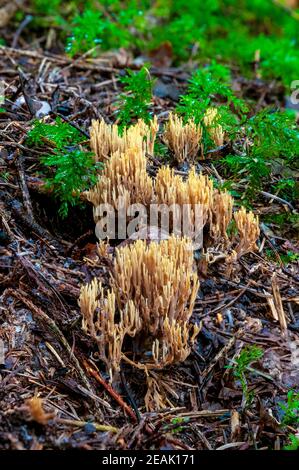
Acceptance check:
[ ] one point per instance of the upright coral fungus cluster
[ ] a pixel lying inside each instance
(153, 286)
(151, 297)
(123, 181)
(182, 139)
(105, 139)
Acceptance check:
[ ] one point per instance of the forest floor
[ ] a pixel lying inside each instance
(46, 353)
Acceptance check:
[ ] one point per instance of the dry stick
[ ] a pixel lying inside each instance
(205, 413)
(23, 185)
(213, 299)
(249, 289)
(22, 297)
(278, 305)
(178, 443)
(160, 433)
(218, 356)
(10, 143)
(39, 278)
(71, 123)
(201, 436)
(229, 304)
(82, 424)
(82, 57)
(110, 390)
(277, 198)
(23, 24)
(129, 395)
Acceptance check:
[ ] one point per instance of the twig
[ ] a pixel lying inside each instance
(20, 146)
(23, 185)
(127, 409)
(232, 301)
(249, 289)
(206, 414)
(129, 394)
(218, 356)
(258, 372)
(71, 123)
(231, 445)
(39, 279)
(271, 244)
(277, 198)
(23, 24)
(278, 305)
(201, 436)
(82, 424)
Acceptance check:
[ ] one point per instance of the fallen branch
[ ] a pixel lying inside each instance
(127, 409)
(82, 424)
(277, 198)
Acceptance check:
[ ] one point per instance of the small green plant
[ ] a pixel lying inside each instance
(54, 13)
(274, 134)
(270, 136)
(290, 409)
(134, 103)
(70, 169)
(182, 33)
(161, 150)
(288, 188)
(247, 356)
(73, 172)
(290, 257)
(206, 86)
(232, 229)
(56, 135)
(176, 425)
(87, 32)
(293, 442)
(286, 219)
(286, 258)
(5, 175)
(209, 87)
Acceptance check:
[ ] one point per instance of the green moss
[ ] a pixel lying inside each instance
(69, 168)
(134, 103)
